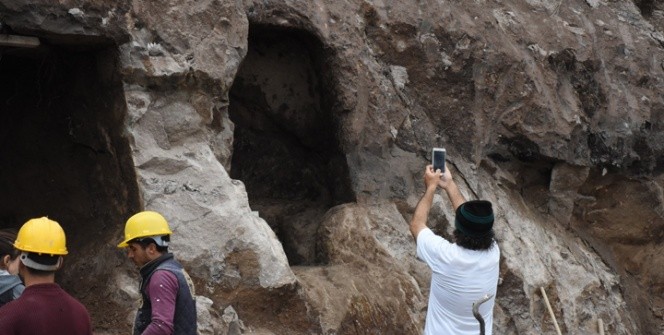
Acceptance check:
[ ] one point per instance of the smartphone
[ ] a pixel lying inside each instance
(438, 159)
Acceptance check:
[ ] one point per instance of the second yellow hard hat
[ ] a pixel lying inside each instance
(145, 224)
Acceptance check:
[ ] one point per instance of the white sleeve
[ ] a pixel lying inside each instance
(430, 246)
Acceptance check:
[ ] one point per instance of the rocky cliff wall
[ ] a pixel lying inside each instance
(551, 109)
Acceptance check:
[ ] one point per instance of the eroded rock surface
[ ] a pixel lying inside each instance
(552, 110)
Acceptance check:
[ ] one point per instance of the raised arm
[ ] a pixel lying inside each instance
(419, 220)
(447, 183)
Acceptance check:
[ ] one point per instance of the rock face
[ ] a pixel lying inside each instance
(285, 142)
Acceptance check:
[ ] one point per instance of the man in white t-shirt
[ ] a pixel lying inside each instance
(463, 272)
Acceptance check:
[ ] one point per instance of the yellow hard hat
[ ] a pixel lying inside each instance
(145, 224)
(42, 236)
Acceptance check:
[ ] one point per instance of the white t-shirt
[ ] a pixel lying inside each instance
(460, 277)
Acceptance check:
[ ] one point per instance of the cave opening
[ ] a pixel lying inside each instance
(646, 7)
(286, 149)
(63, 152)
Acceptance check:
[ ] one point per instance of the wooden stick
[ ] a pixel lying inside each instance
(600, 325)
(18, 41)
(553, 316)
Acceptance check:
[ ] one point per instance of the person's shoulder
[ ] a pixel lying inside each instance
(430, 242)
(495, 248)
(161, 272)
(170, 264)
(70, 299)
(12, 309)
(424, 233)
(161, 276)
(73, 300)
(489, 255)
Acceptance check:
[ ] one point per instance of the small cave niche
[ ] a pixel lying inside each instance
(64, 155)
(646, 7)
(286, 149)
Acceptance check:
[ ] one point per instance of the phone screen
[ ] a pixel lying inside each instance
(438, 159)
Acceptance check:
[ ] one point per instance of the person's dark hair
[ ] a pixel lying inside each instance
(484, 242)
(145, 242)
(7, 237)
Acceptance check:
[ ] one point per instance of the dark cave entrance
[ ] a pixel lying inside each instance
(285, 148)
(63, 153)
(646, 7)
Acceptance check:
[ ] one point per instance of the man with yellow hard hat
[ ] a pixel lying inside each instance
(44, 307)
(168, 305)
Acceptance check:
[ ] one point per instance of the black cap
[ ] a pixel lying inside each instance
(474, 218)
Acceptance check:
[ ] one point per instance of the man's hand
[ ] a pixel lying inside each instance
(431, 177)
(445, 178)
(447, 183)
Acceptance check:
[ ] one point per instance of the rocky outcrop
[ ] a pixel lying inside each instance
(285, 142)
